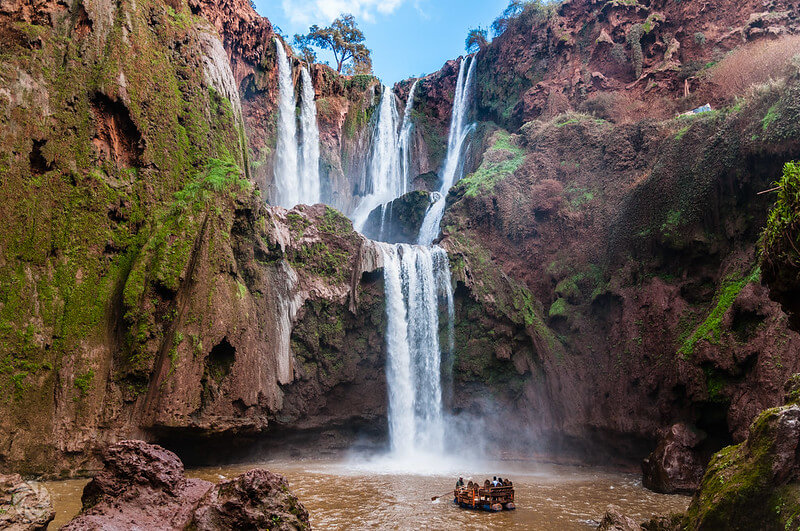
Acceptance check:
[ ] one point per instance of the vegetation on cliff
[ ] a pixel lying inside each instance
(781, 241)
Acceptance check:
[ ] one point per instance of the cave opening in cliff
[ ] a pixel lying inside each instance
(221, 359)
(39, 164)
(117, 139)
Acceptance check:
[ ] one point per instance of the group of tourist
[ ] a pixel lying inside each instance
(495, 482)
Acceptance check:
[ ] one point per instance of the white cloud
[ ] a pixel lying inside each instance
(307, 12)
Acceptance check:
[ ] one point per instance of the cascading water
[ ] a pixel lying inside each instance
(416, 278)
(404, 141)
(460, 130)
(384, 180)
(285, 193)
(310, 192)
(296, 167)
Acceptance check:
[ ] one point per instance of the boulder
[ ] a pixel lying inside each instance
(755, 484)
(24, 506)
(427, 182)
(257, 499)
(143, 486)
(614, 520)
(675, 466)
(400, 220)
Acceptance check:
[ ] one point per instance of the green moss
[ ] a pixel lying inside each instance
(83, 382)
(739, 489)
(334, 222)
(711, 328)
(490, 173)
(298, 224)
(559, 309)
(319, 259)
(569, 288)
(770, 118)
(671, 224)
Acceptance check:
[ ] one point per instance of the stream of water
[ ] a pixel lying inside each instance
(354, 495)
(460, 130)
(297, 179)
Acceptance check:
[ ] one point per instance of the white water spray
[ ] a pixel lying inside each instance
(383, 174)
(460, 130)
(310, 189)
(416, 279)
(404, 141)
(286, 149)
(296, 167)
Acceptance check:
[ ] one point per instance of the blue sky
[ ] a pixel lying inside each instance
(407, 37)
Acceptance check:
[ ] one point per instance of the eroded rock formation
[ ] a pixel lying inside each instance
(24, 506)
(144, 485)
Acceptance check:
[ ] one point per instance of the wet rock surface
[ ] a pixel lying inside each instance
(756, 484)
(615, 520)
(24, 506)
(675, 466)
(143, 486)
(257, 499)
(400, 220)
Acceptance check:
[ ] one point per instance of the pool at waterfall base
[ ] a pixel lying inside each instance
(363, 493)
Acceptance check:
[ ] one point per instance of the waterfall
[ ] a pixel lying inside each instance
(296, 167)
(404, 141)
(460, 130)
(309, 148)
(389, 172)
(416, 278)
(383, 174)
(286, 193)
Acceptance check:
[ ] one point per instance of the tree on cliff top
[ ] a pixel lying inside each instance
(476, 39)
(522, 9)
(346, 42)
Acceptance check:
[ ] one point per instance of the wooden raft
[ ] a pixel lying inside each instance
(493, 499)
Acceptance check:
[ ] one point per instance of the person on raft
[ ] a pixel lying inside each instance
(460, 483)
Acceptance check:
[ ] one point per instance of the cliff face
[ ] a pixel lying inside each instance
(606, 278)
(630, 59)
(145, 288)
(345, 104)
(628, 258)
(607, 265)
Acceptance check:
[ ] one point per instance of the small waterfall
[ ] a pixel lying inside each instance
(286, 193)
(460, 130)
(384, 178)
(404, 142)
(310, 192)
(416, 279)
(296, 166)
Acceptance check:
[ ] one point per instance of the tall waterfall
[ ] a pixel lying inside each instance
(296, 168)
(460, 130)
(286, 149)
(383, 174)
(310, 192)
(416, 278)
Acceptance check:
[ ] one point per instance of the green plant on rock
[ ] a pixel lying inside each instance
(83, 382)
(780, 241)
(711, 328)
(491, 170)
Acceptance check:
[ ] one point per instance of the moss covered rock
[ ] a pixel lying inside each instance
(756, 484)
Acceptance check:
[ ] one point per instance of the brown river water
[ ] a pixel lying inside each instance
(359, 495)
